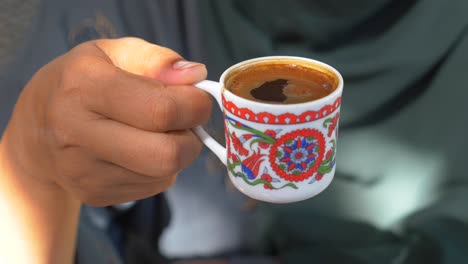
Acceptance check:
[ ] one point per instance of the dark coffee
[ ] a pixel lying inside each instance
(287, 82)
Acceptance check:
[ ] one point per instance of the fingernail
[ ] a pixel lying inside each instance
(183, 64)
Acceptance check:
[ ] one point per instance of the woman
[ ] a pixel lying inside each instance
(399, 170)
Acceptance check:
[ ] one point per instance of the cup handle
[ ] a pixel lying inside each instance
(215, 89)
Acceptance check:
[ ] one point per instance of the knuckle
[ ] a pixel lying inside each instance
(59, 129)
(73, 71)
(172, 157)
(198, 110)
(163, 112)
(81, 76)
(204, 108)
(152, 52)
(131, 40)
(157, 53)
(83, 70)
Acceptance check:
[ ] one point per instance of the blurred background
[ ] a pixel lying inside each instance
(401, 187)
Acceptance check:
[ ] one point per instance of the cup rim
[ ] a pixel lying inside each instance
(336, 93)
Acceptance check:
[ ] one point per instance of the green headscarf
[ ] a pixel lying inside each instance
(381, 47)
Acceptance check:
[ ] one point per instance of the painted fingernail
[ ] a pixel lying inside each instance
(183, 64)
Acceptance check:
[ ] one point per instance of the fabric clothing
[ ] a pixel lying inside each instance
(399, 167)
(400, 190)
(15, 19)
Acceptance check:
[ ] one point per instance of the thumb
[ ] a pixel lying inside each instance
(143, 58)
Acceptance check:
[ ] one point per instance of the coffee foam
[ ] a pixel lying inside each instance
(301, 82)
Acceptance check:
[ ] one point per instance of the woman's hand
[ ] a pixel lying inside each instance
(106, 123)
(110, 121)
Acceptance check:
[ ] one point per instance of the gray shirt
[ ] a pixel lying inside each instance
(400, 167)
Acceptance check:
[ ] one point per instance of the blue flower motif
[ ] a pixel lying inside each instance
(299, 154)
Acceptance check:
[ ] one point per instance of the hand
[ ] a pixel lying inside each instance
(109, 121)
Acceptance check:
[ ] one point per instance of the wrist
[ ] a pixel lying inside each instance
(24, 142)
(38, 219)
(14, 171)
(18, 162)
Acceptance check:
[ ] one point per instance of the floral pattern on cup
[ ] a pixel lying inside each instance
(282, 119)
(278, 160)
(277, 153)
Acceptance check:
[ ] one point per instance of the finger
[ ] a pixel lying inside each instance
(139, 101)
(101, 183)
(123, 185)
(182, 72)
(121, 194)
(113, 184)
(129, 98)
(116, 175)
(159, 155)
(143, 58)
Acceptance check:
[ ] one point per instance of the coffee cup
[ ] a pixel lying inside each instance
(280, 145)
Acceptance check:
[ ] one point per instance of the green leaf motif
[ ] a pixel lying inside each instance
(282, 166)
(232, 166)
(260, 134)
(332, 157)
(326, 162)
(327, 122)
(292, 185)
(279, 154)
(260, 181)
(324, 169)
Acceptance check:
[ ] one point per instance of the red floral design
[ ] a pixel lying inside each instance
(297, 155)
(251, 165)
(233, 157)
(228, 137)
(245, 137)
(266, 177)
(318, 176)
(270, 133)
(265, 117)
(282, 119)
(332, 126)
(238, 145)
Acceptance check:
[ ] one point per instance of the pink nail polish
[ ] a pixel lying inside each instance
(183, 64)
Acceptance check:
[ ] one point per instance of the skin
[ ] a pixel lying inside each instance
(108, 122)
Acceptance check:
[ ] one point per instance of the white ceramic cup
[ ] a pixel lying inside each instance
(277, 153)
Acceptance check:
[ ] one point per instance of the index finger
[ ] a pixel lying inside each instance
(143, 58)
(139, 101)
